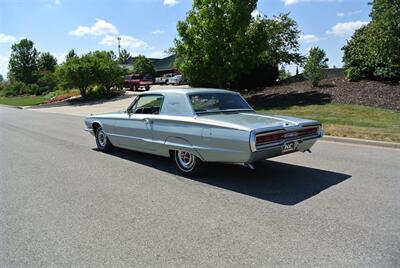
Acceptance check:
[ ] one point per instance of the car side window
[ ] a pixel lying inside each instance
(148, 104)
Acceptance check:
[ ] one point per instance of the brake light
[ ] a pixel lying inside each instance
(308, 131)
(268, 138)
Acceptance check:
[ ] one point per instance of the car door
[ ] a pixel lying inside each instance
(134, 129)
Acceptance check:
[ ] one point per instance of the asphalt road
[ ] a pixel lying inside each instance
(63, 203)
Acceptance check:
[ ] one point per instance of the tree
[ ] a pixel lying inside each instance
(143, 66)
(94, 68)
(47, 62)
(108, 71)
(355, 56)
(220, 43)
(1, 78)
(124, 56)
(23, 62)
(70, 54)
(313, 66)
(373, 50)
(78, 72)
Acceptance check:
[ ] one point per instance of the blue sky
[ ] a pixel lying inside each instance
(149, 26)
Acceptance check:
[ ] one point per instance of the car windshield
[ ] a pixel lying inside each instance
(217, 102)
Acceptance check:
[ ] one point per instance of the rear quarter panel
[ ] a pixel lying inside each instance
(210, 143)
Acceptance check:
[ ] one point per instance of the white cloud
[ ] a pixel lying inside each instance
(5, 38)
(256, 14)
(351, 13)
(346, 28)
(4, 59)
(158, 55)
(158, 32)
(292, 2)
(354, 12)
(101, 27)
(126, 41)
(57, 2)
(310, 38)
(170, 2)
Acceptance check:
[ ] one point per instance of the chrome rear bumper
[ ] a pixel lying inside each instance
(277, 150)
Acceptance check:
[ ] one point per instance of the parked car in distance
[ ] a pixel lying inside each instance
(194, 126)
(175, 80)
(163, 80)
(136, 81)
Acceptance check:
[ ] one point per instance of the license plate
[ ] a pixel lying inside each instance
(288, 147)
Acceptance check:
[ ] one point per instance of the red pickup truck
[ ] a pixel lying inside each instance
(136, 81)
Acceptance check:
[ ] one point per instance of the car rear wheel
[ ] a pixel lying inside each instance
(102, 142)
(187, 163)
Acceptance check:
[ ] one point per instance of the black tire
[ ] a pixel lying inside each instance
(191, 166)
(147, 88)
(102, 142)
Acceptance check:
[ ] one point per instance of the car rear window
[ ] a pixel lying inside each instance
(217, 102)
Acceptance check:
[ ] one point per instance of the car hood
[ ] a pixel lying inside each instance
(252, 121)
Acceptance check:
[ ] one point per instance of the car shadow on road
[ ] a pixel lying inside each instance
(273, 181)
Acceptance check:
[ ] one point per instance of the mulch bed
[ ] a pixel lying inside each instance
(333, 90)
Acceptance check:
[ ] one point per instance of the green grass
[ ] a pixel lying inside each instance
(22, 100)
(349, 120)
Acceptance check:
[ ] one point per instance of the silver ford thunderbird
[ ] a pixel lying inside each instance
(194, 126)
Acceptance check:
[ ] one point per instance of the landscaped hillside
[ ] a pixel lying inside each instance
(364, 109)
(332, 90)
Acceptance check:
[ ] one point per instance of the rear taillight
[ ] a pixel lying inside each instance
(268, 138)
(308, 131)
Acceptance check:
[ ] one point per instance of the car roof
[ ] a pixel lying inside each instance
(188, 91)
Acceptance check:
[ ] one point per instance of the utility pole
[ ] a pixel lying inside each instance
(119, 47)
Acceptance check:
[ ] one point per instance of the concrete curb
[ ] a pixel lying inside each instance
(362, 142)
(11, 106)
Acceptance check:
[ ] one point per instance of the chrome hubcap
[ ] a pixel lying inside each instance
(185, 159)
(101, 138)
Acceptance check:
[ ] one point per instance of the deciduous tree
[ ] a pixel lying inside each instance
(313, 66)
(220, 43)
(374, 50)
(78, 72)
(143, 66)
(23, 64)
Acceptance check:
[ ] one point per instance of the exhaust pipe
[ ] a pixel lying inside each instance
(251, 166)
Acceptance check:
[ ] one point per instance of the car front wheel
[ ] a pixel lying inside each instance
(102, 142)
(188, 163)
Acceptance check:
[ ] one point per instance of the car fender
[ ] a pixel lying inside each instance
(178, 143)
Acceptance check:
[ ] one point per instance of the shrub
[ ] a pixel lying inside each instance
(33, 89)
(16, 88)
(47, 82)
